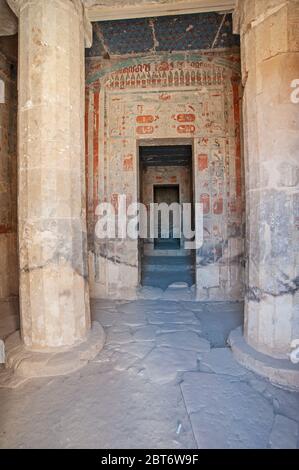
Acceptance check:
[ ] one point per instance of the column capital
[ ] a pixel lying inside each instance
(17, 6)
(249, 14)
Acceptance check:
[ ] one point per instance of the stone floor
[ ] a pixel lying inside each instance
(165, 379)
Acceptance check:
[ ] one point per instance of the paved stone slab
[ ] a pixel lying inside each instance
(105, 355)
(285, 402)
(221, 361)
(152, 293)
(122, 360)
(187, 340)
(137, 307)
(197, 307)
(173, 327)
(133, 319)
(217, 324)
(138, 349)
(145, 333)
(115, 336)
(226, 413)
(167, 307)
(128, 395)
(178, 294)
(183, 317)
(163, 364)
(284, 434)
(92, 409)
(106, 318)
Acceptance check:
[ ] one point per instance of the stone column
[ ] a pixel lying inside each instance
(54, 291)
(270, 60)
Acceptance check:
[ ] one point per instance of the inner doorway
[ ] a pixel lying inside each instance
(167, 194)
(165, 176)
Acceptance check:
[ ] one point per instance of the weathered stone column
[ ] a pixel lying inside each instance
(270, 60)
(54, 292)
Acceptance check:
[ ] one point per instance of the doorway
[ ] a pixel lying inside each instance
(166, 177)
(167, 194)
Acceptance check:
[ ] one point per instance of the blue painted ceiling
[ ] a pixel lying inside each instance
(162, 34)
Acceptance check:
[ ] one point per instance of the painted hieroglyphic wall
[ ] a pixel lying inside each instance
(180, 98)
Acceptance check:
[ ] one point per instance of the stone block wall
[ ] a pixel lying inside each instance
(184, 98)
(8, 180)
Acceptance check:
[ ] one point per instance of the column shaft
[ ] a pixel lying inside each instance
(270, 57)
(54, 295)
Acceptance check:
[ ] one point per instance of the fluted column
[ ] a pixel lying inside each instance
(54, 294)
(270, 54)
(270, 60)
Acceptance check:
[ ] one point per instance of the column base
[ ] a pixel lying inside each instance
(23, 364)
(280, 372)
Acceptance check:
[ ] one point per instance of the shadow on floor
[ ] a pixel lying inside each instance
(218, 320)
(162, 271)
